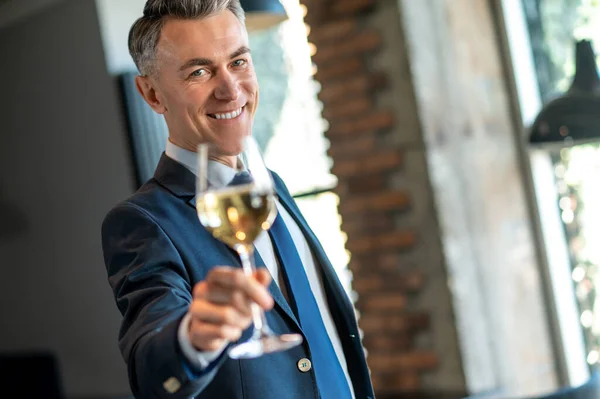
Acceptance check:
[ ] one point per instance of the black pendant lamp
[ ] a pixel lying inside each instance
(263, 14)
(573, 118)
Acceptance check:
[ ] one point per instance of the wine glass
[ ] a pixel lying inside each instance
(236, 212)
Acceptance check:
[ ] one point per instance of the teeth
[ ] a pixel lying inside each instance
(229, 115)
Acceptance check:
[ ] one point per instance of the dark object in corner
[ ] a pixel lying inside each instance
(589, 390)
(30, 376)
(573, 118)
(421, 395)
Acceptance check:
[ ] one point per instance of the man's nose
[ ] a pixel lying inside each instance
(228, 88)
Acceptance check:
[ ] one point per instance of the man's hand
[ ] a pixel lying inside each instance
(221, 306)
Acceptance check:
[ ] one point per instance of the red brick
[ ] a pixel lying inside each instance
(347, 68)
(388, 342)
(375, 243)
(412, 281)
(382, 302)
(331, 31)
(356, 44)
(395, 382)
(363, 185)
(351, 87)
(352, 108)
(393, 262)
(364, 144)
(363, 285)
(373, 323)
(371, 279)
(349, 189)
(381, 201)
(374, 121)
(367, 224)
(390, 262)
(317, 12)
(346, 7)
(374, 162)
(414, 361)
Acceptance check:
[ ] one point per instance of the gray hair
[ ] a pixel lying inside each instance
(145, 32)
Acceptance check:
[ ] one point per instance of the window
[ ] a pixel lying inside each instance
(565, 179)
(577, 170)
(554, 27)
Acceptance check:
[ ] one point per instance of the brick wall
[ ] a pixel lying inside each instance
(386, 206)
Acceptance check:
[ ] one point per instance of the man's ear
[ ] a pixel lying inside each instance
(147, 89)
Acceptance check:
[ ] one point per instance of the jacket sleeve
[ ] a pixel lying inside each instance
(153, 292)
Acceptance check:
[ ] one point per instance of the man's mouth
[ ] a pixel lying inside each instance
(228, 115)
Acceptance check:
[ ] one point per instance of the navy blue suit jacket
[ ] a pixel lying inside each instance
(155, 251)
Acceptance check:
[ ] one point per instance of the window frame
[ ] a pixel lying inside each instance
(567, 334)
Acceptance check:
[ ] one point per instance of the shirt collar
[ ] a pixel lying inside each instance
(219, 175)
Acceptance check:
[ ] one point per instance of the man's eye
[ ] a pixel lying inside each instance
(198, 73)
(238, 63)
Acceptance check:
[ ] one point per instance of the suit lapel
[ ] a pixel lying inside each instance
(175, 177)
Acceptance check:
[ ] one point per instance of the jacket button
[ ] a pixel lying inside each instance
(172, 385)
(304, 365)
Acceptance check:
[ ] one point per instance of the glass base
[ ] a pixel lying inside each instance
(264, 344)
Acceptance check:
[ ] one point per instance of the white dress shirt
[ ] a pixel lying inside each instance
(220, 175)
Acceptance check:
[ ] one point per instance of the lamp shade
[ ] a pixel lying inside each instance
(573, 118)
(263, 14)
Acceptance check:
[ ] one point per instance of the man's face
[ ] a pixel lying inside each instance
(205, 83)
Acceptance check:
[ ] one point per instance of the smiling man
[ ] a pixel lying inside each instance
(182, 294)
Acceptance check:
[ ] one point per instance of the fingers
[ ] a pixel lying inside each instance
(222, 305)
(212, 324)
(233, 279)
(208, 312)
(263, 277)
(212, 337)
(236, 299)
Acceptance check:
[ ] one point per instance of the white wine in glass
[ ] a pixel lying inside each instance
(237, 214)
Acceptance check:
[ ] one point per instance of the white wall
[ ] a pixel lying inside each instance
(15, 10)
(64, 163)
(116, 18)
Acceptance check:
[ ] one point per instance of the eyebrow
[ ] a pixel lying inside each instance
(240, 51)
(207, 61)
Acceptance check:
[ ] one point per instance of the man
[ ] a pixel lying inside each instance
(181, 307)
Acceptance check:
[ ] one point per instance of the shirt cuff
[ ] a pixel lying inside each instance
(199, 360)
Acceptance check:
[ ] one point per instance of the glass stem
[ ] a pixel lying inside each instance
(246, 253)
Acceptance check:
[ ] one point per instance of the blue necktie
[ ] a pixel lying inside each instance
(331, 380)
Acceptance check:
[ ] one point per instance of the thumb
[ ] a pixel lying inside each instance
(263, 276)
